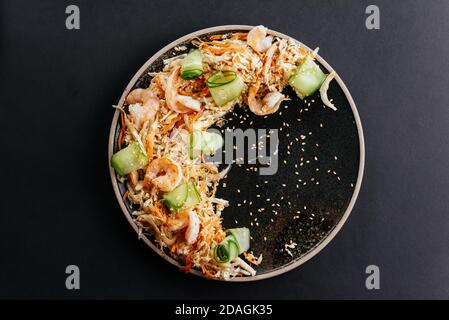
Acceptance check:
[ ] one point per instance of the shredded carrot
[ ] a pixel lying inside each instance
(206, 272)
(188, 262)
(219, 237)
(173, 247)
(239, 36)
(150, 146)
(125, 195)
(217, 44)
(204, 92)
(202, 185)
(215, 37)
(303, 51)
(205, 223)
(195, 115)
(155, 211)
(170, 126)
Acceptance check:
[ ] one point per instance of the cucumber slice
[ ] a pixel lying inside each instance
(175, 199)
(192, 66)
(193, 196)
(204, 142)
(184, 196)
(241, 236)
(129, 159)
(227, 250)
(196, 144)
(307, 78)
(219, 78)
(212, 142)
(225, 87)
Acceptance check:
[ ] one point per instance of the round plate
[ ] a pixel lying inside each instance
(296, 212)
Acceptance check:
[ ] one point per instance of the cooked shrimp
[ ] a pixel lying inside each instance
(182, 220)
(164, 174)
(143, 105)
(178, 222)
(193, 228)
(269, 104)
(175, 101)
(258, 40)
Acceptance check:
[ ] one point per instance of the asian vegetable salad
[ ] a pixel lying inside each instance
(164, 143)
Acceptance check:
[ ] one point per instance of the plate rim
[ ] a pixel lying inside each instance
(316, 249)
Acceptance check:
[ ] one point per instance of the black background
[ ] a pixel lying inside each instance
(57, 205)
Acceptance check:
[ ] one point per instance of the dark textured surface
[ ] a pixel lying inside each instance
(57, 204)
